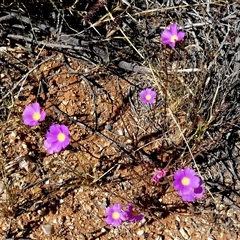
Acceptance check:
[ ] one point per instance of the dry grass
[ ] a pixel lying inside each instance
(85, 63)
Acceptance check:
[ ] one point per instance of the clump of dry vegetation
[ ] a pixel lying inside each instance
(85, 63)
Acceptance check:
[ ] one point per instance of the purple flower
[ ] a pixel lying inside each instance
(199, 192)
(33, 114)
(148, 96)
(57, 138)
(171, 35)
(132, 215)
(188, 184)
(158, 175)
(185, 180)
(115, 215)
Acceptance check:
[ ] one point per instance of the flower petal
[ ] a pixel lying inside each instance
(174, 29)
(36, 107)
(199, 192)
(180, 36)
(188, 197)
(64, 129)
(43, 115)
(166, 34)
(116, 222)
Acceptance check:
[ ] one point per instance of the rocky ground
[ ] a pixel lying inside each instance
(85, 63)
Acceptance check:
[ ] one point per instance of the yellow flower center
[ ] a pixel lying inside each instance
(174, 38)
(36, 116)
(115, 215)
(61, 137)
(148, 97)
(185, 181)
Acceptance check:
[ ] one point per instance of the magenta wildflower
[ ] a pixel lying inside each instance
(115, 215)
(148, 96)
(133, 215)
(158, 175)
(199, 192)
(33, 114)
(185, 180)
(57, 138)
(171, 35)
(188, 184)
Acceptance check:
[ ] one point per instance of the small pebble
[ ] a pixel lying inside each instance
(47, 229)
(140, 232)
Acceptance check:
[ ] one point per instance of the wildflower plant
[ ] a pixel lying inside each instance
(158, 175)
(148, 96)
(133, 215)
(171, 35)
(115, 215)
(33, 114)
(188, 184)
(57, 138)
